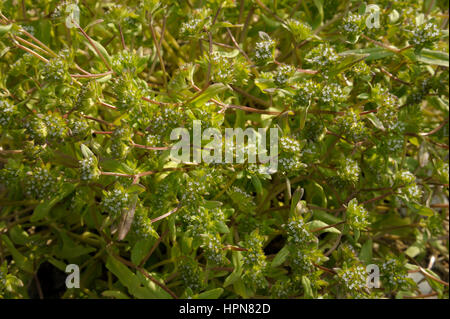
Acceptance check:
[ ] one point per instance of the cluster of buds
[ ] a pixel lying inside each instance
(254, 261)
(352, 26)
(88, 168)
(191, 274)
(115, 201)
(213, 248)
(7, 113)
(424, 35)
(322, 57)
(357, 215)
(300, 30)
(265, 49)
(353, 279)
(142, 226)
(40, 183)
(351, 126)
(348, 172)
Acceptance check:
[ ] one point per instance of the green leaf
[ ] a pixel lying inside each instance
(264, 84)
(69, 249)
(315, 194)
(44, 208)
(210, 294)
(125, 276)
(235, 275)
(87, 153)
(135, 189)
(18, 235)
(116, 166)
(315, 224)
(375, 121)
(5, 29)
(373, 53)
(326, 217)
(211, 204)
(298, 194)
(22, 262)
(303, 115)
(433, 57)
(365, 255)
(306, 283)
(280, 257)
(133, 282)
(141, 249)
(221, 227)
(101, 49)
(114, 294)
(319, 6)
(257, 184)
(209, 93)
(413, 251)
(226, 24)
(420, 209)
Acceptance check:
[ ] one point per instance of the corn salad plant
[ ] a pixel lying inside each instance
(91, 91)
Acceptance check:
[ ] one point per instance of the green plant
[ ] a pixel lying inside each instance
(86, 176)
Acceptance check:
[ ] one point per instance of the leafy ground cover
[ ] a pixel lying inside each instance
(89, 98)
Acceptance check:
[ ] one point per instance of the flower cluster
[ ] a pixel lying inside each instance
(56, 127)
(314, 131)
(191, 274)
(394, 275)
(265, 49)
(331, 95)
(391, 144)
(322, 57)
(7, 112)
(283, 73)
(142, 225)
(357, 215)
(199, 20)
(302, 261)
(304, 93)
(349, 171)
(115, 201)
(79, 128)
(289, 160)
(227, 69)
(353, 25)
(254, 261)
(352, 126)
(120, 142)
(86, 120)
(387, 111)
(40, 183)
(425, 34)
(9, 283)
(283, 289)
(241, 198)
(36, 129)
(213, 248)
(88, 168)
(56, 71)
(297, 232)
(359, 71)
(300, 30)
(353, 278)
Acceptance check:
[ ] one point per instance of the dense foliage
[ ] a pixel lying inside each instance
(88, 106)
